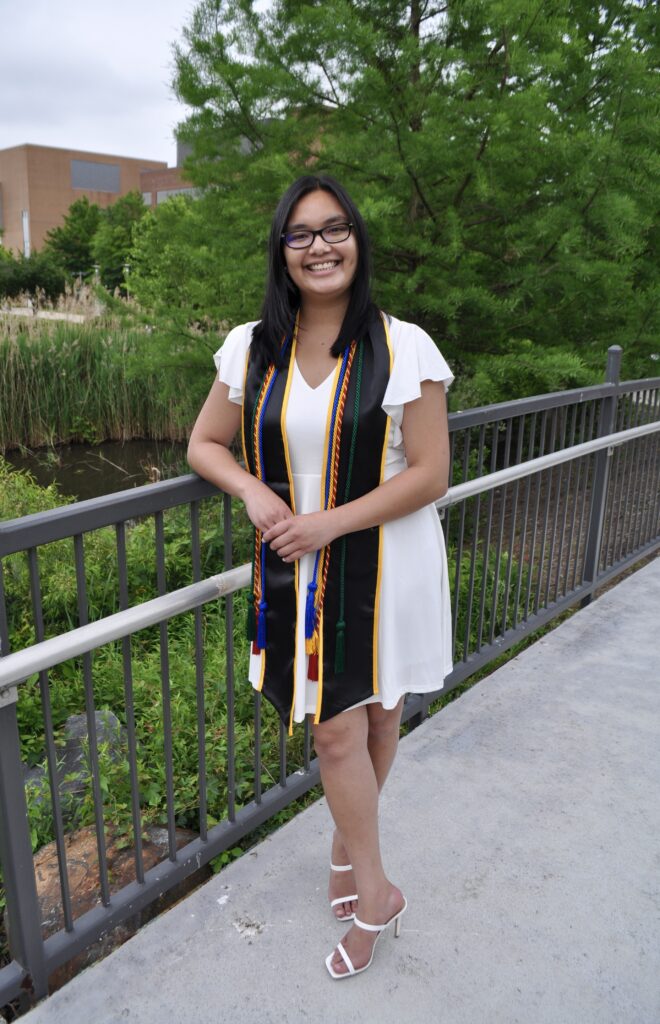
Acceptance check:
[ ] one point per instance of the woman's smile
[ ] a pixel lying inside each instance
(323, 270)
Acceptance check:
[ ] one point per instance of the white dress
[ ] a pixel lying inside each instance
(414, 637)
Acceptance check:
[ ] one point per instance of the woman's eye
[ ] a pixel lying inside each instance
(298, 237)
(336, 231)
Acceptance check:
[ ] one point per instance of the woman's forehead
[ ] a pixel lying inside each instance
(316, 209)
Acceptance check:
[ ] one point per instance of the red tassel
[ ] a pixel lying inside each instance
(256, 649)
(313, 668)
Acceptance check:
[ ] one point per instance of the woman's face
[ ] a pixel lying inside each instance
(325, 270)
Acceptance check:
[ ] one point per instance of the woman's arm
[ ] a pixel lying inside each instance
(209, 455)
(426, 442)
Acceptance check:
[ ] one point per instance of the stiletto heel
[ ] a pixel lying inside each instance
(380, 928)
(342, 899)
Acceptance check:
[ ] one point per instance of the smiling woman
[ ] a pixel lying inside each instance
(343, 418)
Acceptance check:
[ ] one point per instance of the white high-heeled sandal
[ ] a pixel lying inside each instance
(342, 899)
(380, 928)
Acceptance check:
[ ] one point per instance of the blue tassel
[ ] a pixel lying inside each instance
(261, 626)
(310, 611)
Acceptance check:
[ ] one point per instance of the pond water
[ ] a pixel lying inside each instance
(87, 471)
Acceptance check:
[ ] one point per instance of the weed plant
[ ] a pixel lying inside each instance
(63, 382)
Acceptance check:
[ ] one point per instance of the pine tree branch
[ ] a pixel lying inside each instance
(456, 201)
(409, 171)
(329, 80)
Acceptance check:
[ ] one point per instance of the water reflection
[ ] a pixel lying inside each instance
(87, 471)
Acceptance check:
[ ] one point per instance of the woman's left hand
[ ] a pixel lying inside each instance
(297, 536)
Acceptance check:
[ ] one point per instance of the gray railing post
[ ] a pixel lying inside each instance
(24, 917)
(606, 422)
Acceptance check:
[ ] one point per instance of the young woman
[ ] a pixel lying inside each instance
(344, 425)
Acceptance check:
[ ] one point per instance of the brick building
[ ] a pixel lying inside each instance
(38, 184)
(157, 186)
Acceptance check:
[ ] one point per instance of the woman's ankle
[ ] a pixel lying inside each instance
(339, 854)
(379, 901)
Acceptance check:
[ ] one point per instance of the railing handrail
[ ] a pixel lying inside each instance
(17, 667)
(107, 510)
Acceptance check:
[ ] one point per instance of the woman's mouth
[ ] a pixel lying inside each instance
(319, 267)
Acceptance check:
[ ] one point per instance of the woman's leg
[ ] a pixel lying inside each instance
(350, 785)
(382, 743)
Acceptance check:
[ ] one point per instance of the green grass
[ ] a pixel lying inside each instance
(65, 382)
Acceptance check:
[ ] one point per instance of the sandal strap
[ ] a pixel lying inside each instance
(346, 958)
(343, 899)
(369, 927)
(341, 867)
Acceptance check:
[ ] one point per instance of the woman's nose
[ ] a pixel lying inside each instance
(319, 245)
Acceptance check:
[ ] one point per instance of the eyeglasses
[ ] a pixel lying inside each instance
(305, 237)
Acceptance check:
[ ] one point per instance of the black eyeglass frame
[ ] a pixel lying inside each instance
(319, 231)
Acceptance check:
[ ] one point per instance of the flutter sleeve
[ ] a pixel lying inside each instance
(230, 360)
(416, 358)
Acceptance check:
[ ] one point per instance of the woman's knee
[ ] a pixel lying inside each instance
(339, 737)
(383, 725)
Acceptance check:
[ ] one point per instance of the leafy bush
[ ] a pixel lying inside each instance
(526, 369)
(41, 271)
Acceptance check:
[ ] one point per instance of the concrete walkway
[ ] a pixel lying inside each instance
(523, 824)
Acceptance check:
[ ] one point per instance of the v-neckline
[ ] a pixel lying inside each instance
(309, 386)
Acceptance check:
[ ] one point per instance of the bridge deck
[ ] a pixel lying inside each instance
(523, 823)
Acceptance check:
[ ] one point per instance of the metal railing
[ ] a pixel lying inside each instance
(550, 498)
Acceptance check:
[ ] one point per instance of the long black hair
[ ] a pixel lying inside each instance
(282, 297)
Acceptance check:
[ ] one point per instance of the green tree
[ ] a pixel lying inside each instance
(39, 272)
(111, 244)
(71, 242)
(504, 153)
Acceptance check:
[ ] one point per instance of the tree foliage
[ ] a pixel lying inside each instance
(112, 241)
(71, 241)
(40, 272)
(504, 153)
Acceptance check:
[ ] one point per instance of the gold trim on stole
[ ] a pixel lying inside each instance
(287, 459)
(333, 391)
(380, 528)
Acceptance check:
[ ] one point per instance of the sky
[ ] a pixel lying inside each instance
(90, 75)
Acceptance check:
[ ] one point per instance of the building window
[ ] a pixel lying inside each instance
(165, 193)
(146, 198)
(94, 176)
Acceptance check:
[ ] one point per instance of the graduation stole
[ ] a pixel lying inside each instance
(341, 604)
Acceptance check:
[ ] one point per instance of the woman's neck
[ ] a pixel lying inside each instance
(322, 320)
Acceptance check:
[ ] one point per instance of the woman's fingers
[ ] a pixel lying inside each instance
(298, 535)
(264, 507)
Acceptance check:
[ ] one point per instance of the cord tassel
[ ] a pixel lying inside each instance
(251, 620)
(261, 626)
(310, 611)
(340, 646)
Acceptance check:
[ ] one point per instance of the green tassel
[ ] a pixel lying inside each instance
(251, 620)
(340, 647)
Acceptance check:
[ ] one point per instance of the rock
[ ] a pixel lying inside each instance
(75, 754)
(73, 763)
(82, 864)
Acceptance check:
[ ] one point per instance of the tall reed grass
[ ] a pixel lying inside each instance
(62, 382)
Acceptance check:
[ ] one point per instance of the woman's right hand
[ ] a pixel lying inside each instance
(263, 506)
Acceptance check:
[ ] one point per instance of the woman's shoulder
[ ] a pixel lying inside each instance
(404, 333)
(240, 335)
(416, 357)
(230, 358)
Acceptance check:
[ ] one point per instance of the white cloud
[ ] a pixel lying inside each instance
(91, 76)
